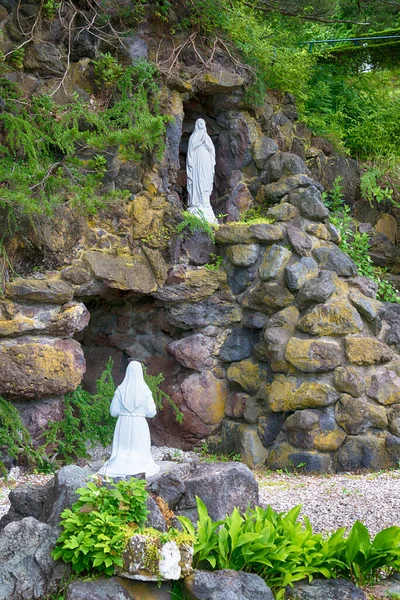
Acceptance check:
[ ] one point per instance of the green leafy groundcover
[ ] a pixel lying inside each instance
(283, 550)
(97, 527)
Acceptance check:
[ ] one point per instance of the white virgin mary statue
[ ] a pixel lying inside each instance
(200, 165)
(131, 448)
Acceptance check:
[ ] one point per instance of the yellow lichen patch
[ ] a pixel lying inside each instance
(329, 441)
(335, 318)
(248, 374)
(16, 325)
(366, 351)
(279, 395)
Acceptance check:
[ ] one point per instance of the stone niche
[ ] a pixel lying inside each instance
(282, 355)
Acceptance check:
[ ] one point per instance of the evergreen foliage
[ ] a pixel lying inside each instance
(52, 153)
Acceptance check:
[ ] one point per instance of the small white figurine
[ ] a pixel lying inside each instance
(131, 448)
(200, 165)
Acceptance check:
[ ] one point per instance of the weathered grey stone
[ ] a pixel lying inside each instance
(67, 480)
(325, 589)
(29, 500)
(243, 233)
(75, 274)
(314, 429)
(33, 367)
(268, 426)
(333, 259)
(283, 211)
(285, 456)
(301, 243)
(278, 330)
(393, 414)
(174, 562)
(268, 297)
(216, 310)
(367, 307)
(263, 149)
(334, 233)
(226, 585)
(310, 204)
(274, 262)
(100, 589)
(297, 274)
(366, 286)
(132, 272)
(312, 394)
(222, 487)
(356, 415)
(363, 452)
(253, 409)
(243, 255)
(273, 192)
(240, 278)
(313, 356)
(54, 291)
(334, 318)
(392, 317)
(318, 289)
(192, 284)
(349, 380)
(238, 345)
(235, 404)
(266, 233)
(194, 351)
(319, 230)
(385, 387)
(27, 570)
(249, 374)
(285, 163)
(155, 518)
(254, 320)
(242, 438)
(48, 319)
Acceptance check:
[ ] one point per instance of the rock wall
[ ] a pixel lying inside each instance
(283, 354)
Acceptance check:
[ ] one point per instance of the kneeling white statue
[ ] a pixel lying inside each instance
(200, 165)
(131, 448)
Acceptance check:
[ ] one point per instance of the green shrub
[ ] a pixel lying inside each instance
(356, 244)
(40, 165)
(86, 421)
(366, 562)
(15, 439)
(372, 191)
(282, 550)
(96, 528)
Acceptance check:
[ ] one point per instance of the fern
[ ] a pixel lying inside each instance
(196, 223)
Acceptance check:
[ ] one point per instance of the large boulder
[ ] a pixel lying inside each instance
(322, 589)
(50, 319)
(27, 571)
(221, 486)
(226, 585)
(132, 272)
(33, 367)
(117, 588)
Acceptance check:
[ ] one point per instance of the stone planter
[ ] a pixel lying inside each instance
(146, 558)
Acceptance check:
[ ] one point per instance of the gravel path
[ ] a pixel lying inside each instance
(333, 501)
(329, 501)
